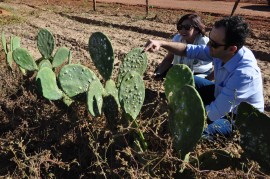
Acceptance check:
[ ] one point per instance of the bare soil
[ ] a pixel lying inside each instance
(41, 138)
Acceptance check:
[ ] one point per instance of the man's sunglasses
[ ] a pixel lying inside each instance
(186, 27)
(214, 44)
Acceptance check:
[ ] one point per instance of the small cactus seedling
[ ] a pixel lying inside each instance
(22, 57)
(254, 131)
(75, 79)
(14, 44)
(186, 125)
(94, 98)
(45, 43)
(102, 54)
(135, 60)
(47, 80)
(178, 76)
(131, 93)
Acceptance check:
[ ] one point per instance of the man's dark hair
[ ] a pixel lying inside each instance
(195, 21)
(236, 30)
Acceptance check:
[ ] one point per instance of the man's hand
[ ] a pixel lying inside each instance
(152, 46)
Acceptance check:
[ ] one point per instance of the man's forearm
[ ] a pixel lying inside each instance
(175, 47)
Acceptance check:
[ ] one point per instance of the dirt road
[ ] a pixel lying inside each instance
(220, 7)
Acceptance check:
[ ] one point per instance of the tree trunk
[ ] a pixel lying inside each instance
(235, 6)
(147, 7)
(94, 5)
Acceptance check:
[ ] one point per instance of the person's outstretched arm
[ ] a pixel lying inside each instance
(165, 64)
(173, 47)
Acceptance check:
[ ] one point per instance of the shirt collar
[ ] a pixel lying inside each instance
(233, 62)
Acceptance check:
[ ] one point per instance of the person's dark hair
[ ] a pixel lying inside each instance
(236, 30)
(195, 21)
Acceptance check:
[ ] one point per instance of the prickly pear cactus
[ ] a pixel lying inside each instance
(186, 118)
(45, 63)
(178, 76)
(132, 93)
(46, 79)
(94, 98)
(75, 79)
(102, 54)
(60, 57)
(4, 42)
(253, 126)
(111, 89)
(135, 60)
(111, 104)
(22, 57)
(45, 43)
(15, 42)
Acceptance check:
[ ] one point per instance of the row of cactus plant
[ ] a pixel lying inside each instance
(129, 91)
(75, 79)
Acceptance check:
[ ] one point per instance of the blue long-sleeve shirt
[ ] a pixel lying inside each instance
(236, 81)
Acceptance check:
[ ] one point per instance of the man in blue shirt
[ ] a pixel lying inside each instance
(237, 75)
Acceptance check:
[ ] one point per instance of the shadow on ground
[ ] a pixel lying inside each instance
(262, 7)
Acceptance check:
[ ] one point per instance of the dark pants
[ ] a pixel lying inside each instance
(222, 126)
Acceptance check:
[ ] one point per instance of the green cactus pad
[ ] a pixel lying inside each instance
(101, 51)
(253, 126)
(46, 79)
(45, 63)
(45, 43)
(186, 118)
(94, 98)
(75, 79)
(9, 59)
(4, 42)
(132, 93)
(135, 60)
(111, 104)
(216, 159)
(60, 56)
(178, 76)
(111, 89)
(16, 42)
(22, 57)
